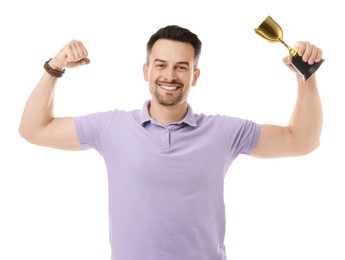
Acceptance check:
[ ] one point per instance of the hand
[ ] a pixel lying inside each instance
(72, 55)
(309, 53)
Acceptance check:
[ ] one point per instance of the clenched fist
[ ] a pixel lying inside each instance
(309, 52)
(72, 55)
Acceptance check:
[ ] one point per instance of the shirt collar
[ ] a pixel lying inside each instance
(189, 119)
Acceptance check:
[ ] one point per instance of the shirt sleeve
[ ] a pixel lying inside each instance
(242, 135)
(92, 129)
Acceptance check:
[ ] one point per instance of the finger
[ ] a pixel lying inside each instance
(79, 50)
(318, 55)
(305, 50)
(301, 48)
(287, 60)
(309, 52)
(85, 61)
(75, 51)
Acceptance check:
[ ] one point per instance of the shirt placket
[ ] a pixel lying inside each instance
(164, 140)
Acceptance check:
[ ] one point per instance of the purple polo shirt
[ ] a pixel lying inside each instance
(166, 182)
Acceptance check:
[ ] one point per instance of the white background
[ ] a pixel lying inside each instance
(53, 204)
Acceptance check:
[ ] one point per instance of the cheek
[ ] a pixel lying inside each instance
(191, 80)
(151, 80)
(152, 75)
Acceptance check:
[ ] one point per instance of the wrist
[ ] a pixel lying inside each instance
(53, 70)
(55, 65)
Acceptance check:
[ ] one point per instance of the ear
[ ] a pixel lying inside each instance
(195, 76)
(145, 71)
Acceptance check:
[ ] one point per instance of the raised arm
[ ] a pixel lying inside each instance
(38, 124)
(302, 134)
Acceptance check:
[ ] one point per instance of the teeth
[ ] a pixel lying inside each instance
(168, 87)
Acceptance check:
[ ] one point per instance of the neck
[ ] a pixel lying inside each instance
(168, 114)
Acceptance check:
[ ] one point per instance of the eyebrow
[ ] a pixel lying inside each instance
(180, 62)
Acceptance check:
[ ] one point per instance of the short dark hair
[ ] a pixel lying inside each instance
(175, 33)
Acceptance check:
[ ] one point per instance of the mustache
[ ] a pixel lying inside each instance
(174, 81)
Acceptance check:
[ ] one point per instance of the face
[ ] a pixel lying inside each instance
(171, 72)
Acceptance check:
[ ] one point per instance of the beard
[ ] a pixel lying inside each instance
(166, 98)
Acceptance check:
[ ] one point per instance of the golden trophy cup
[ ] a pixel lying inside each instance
(272, 32)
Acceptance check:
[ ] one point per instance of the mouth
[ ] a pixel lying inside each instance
(169, 86)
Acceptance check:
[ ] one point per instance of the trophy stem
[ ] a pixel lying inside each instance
(292, 51)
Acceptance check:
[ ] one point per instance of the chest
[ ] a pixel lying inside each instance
(176, 159)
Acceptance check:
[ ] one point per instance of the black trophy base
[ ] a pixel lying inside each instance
(305, 68)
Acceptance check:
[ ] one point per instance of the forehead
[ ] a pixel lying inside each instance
(173, 51)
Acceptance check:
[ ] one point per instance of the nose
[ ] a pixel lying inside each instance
(170, 74)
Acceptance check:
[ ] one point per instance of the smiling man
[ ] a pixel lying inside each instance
(166, 164)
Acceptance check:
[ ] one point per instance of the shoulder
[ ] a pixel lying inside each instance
(107, 118)
(220, 119)
(110, 114)
(228, 124)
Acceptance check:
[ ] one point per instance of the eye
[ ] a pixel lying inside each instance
(181, 68)
(160, 65)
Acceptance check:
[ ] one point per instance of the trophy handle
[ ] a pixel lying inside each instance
(304, 68)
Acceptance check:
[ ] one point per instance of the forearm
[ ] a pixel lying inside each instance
(39, 108)
(305, 124)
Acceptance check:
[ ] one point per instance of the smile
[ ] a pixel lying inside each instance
(168, 87)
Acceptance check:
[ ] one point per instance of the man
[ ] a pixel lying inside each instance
(166, 165)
